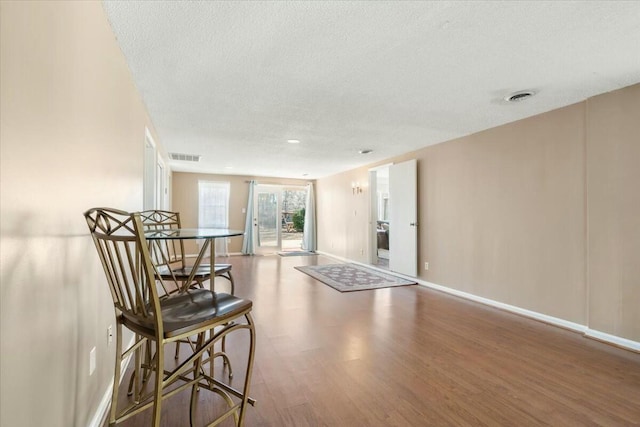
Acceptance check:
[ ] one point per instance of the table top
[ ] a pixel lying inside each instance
(192, 233)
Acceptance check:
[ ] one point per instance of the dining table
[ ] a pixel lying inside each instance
(208, 235)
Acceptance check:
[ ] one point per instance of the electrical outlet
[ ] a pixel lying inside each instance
(92, 361)
(361, 251)
(426, 265)
(109, 335)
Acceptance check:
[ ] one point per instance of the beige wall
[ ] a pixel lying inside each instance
(613, 166)
(503, 213)
(343, 217)
(72, 136)
(185, 200)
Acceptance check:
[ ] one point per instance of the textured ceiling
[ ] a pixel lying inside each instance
(233, 81)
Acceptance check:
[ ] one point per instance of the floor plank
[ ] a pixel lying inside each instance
(410, 356)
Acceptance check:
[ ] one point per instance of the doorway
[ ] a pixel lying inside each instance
(379, 186)
(279, 221)
(394, 217)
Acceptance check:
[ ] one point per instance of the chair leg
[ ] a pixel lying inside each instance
(159, 383)
(200, 285)
(233, 284)
(138, 373)
(197, 364)
(116, 377)
(177, 355)
(225, 360)
(134, 376)
(247, 380)
(141, 358)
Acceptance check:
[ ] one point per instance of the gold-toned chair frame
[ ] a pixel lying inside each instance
(166, 254)
(131, 276)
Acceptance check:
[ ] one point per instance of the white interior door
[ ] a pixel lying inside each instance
(149, 182)
(403, 221)
(160, 185)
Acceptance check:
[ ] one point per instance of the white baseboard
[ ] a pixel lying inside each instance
(327, 254)
(555, 321)
(100, 416)
(507, 307)
(613, 339)
(625, 343)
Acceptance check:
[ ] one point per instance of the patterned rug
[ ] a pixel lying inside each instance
(352, 277)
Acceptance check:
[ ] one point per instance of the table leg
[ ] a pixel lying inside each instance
(196, 264)
(212, 280)
(212, 261)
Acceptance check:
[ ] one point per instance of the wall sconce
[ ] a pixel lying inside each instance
(355, 188)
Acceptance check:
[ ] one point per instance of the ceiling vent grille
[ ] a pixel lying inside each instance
(185, 157)
(519, 96)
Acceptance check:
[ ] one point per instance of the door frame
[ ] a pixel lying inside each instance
(373, 212)
(279, 189)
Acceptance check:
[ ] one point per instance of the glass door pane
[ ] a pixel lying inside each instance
(293, 209)
(268, 208)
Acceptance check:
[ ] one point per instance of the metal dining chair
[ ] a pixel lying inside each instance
(169, 258)
(169, 255)
(161, 319)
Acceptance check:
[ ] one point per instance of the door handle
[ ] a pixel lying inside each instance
(413, 224)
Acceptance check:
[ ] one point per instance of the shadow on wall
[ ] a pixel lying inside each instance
(50, 312)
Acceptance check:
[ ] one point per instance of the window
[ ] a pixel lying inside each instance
(213, 201)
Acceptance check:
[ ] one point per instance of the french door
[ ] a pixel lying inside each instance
(267, 202)
(279, 217)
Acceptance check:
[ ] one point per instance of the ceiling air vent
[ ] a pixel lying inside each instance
(519, 96)
(185, 157)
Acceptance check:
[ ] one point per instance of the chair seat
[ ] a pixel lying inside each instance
(202, 272)
(222, 268)
(205, 269)
(192, 309)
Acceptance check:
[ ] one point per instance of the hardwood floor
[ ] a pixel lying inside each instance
(410, 356)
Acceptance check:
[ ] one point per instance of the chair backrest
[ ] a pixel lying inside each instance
(164, 253)
(124, 254)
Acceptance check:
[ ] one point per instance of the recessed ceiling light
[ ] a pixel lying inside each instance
(519, 96)
(293, 141)
(228, 167)
(365, 151)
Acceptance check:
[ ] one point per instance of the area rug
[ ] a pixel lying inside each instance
(352, 277)
(296, 253)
